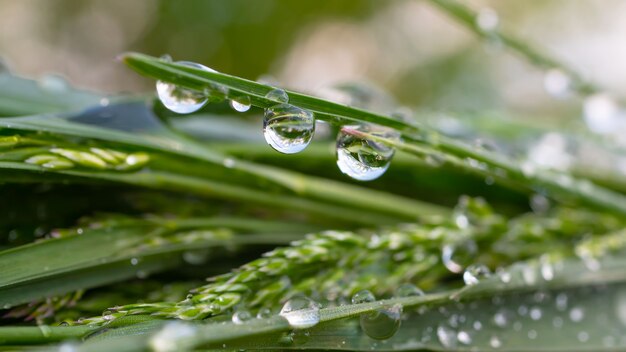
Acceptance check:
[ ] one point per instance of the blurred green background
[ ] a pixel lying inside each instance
(409, 48)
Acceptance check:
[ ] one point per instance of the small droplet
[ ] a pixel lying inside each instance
(532, 334)
(134, 261)
(362, 157)
(539, 203)
(535, 313)
(557, 83)
(495, 342)
(487, 19)
(240, 104)
(408, 290)
(474, 273)
(455, 256)
(601, 113)
(278, 95)
(69, 347)
(241, 316)
(583, 336)
(264, 313)
(182, 100)
(464, 337)
(53, 83)
(576, 314)
(383, 323)
(363, 296)
(301, 312)
(288, 129)
(446, 336)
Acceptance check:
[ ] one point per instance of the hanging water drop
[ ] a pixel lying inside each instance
(383, 323)
(361, 156)
(474, 273)
(240, 104)
(301, 312)
(408, 290)
(278, 95)
(288, 129)
(455, 256)
(182, 100)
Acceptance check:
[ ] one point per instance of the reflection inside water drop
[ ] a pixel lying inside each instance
(182, 100)
(288, 129)
(360, 156)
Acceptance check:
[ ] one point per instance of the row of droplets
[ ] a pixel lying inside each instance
(361, 149)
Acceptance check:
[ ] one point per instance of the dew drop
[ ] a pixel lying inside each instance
(288, 129)
(134, 261)
(301, 312)
(408, 290)
(495, 342)
(363, 158)
(68, 347)
(557, 83)
(363, 296)
(455, 256)
(53, 83)
(264, 313)
(532, 334)
(182, 100)
(278, 95)
(474, 273)
(576, 314)
(383, 323)
(241, 316)
(535, 313)
(240, 104)
(601, 113)
(464, 337)
(583, 336)
(487, 19)
(446, 336)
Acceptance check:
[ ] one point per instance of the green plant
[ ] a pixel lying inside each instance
(380, 269)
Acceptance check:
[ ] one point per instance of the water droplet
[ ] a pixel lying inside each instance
(464, 337)
(383, 323)
(68, 347)
(474, 273)
(446, 336)
(561, 302)
(53, 83)
(601, 113)
(408, 290)
(240, 104)
(196, 257)
(264, 313)
(288, 129)
(576, 314)
(362, 157)
(539, 203)
(557, 322)
(455, 256)
(182, 100)
(502, 317)
(546, 268)
(487, 19)
(363, 296)
(301, 312)
(495, 342)
(172, 337)
(535, 313)
(241, 316)
(583, 336)
(557, 83)
(278, 95)
(549, 152)
(532, 334)
(134, 261)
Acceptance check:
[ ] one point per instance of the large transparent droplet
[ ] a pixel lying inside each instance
(474, 273)
(301, 312)
(182, 100)
(360, 156)
(383, 323)
(288, 129)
